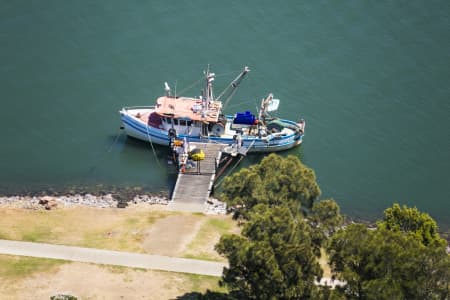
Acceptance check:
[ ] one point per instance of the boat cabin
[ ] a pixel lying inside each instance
(187, 115)
(181, 125)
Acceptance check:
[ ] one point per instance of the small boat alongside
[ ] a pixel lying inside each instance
(202, 120)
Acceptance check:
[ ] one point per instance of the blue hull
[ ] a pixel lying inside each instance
(270, 143)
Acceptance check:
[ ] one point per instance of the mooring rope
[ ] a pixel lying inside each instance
(224, 176)
(103, 157)
(153, 148)
(118, 135)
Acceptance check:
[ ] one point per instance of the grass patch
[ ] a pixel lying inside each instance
(37, 234)
(202, 246)
(185, 281)
(201, 283)
(114, 229)
(132, 221)
(191, 282)
(115, 269)
(18, 267)
(156, 215)
(223, 225)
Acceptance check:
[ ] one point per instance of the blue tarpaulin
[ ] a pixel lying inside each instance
(244, 118)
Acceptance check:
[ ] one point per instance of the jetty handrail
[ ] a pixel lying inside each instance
(139, 107)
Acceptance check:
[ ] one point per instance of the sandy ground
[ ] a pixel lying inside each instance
(88, 281)
(169, 235)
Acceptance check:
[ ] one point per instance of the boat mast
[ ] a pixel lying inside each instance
(262, 111)
(208, 94)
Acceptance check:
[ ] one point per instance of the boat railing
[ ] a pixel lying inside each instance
(139, 107)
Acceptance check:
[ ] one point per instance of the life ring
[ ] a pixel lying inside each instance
(218, 129)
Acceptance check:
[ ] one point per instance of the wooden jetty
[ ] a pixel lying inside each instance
(194, 185)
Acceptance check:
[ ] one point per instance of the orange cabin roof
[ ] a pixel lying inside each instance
(182, 107)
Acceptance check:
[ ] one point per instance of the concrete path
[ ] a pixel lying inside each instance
(108, 257)
(125, 259)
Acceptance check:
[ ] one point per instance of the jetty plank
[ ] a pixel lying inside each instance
(194, 185)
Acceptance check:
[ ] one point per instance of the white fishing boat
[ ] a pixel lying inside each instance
(201, 119)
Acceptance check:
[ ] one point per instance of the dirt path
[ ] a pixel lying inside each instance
(171, 235)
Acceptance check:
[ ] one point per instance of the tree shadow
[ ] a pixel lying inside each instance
(209, 295)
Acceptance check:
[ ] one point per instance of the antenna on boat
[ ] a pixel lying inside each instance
(176, 81)
(167, 89)
(210, 79)
(207, 93)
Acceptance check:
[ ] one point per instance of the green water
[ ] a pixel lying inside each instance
(370, 78)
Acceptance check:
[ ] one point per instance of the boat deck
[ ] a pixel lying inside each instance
(193, 188)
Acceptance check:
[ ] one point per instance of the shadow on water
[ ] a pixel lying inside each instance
(255, 158)
(135, 150)
(252, 159)
(138, 149)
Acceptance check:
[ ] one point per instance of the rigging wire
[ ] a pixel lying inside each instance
(232, 84)
(202, 78)
(241, 103)
(190, 86)
(229, 98)
(227, 73)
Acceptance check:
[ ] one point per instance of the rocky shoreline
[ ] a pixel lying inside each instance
(101, 201)
(213, 206)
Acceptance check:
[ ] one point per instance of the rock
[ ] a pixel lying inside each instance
(50, 205)
(216, 207)
(63, 297)
(44, 200)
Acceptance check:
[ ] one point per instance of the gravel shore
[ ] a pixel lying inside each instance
(47, 202)
(213, 206)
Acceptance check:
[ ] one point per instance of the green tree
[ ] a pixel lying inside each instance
(325, 218)
(412, 221)
(385, 264)
(273, 259)
(274, 181)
